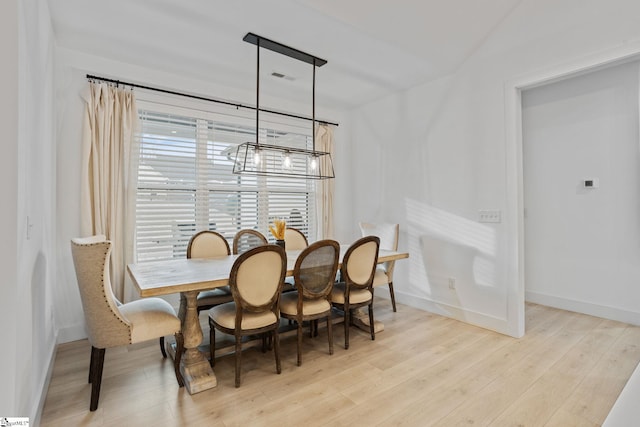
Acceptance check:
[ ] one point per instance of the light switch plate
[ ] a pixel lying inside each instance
(490, 216)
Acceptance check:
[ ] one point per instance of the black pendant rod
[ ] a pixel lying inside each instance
(258, 95)
(202, 98)
(313, 108)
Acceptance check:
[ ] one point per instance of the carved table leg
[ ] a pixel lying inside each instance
(195, 368)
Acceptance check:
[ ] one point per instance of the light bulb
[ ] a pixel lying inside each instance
(256, 157)
(314, 163)
(286, 161)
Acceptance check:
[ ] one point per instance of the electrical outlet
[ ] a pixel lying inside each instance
(490, 216)
(452, 283)
(29, 227)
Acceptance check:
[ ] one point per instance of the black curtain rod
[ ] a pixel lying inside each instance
(203, 98)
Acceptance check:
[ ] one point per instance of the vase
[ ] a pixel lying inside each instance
(280, 243)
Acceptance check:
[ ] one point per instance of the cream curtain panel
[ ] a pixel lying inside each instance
(324, 198)
(108, 177)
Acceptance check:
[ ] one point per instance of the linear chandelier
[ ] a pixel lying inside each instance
(255, 158)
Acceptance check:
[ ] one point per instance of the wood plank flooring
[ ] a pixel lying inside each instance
(422, 370)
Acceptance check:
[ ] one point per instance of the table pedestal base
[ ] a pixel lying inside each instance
(360, 319)
(198, 377)
(194, 367)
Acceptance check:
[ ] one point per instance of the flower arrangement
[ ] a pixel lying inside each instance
(279, 225)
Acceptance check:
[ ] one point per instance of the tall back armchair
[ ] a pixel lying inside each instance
(110, 323)
(356, 289)
(208, 244)
(247, 239)
(295, 239)
(314, 275)
(255, 279)
(388, 234)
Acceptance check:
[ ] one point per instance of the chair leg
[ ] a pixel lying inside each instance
(393, 296)
(330, 333)
(372, 327)
(212, 343)
(238, 360)
(92, 363)
(299, 342)
(96, 380)
(346, 327)
(178, 357)
(164, 352)
(276, 350)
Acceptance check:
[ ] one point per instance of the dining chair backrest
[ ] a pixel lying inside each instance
(388, 234)
(207, 244)
(294, 239)
(315, 269)
(106, 327)
(247, 239)
(256, 279)
(359, 262)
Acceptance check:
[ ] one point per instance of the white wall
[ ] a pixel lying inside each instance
(37, 190)
(72, 68)
(582, 246)
(431, 157)
(28, 167)
(8, 216)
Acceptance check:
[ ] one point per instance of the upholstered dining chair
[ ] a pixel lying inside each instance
(294, 239)
(256, 283)
(247, 239)
(110, 324)
(209, 244)
(388, 234)
(314, 274)
(356, 288)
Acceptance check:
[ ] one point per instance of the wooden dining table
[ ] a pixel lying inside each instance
(188, 277)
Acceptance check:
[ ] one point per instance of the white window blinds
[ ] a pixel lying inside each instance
(186, 184)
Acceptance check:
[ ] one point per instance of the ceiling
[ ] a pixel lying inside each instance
(373, 47)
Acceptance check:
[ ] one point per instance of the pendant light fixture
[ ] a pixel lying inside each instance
(255, 158)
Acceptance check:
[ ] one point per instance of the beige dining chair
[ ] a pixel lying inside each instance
(314, 274)
(247, 239)
(256, 283)
(388, 234)
(294, 239)
(110, 323)
(356, 288)
(209, 244)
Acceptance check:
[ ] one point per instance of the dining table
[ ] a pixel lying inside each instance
(188, 277)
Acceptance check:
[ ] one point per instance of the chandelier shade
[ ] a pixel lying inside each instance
(255, 158)
(275, 160)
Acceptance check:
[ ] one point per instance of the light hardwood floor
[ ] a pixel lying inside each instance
(422, 370)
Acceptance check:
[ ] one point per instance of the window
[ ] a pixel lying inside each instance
(185, 181)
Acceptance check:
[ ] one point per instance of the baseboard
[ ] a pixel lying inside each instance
(598, 310)
(71, 333)
(36, 410)
(475, 318)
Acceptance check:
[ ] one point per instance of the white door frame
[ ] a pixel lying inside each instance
(514, 165)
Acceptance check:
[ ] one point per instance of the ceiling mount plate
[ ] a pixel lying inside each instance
(284, 49)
